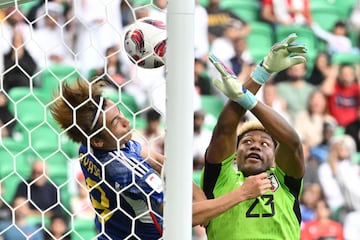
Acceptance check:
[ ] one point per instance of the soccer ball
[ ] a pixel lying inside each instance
(145, 43)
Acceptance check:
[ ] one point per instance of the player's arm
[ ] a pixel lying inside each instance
(282, 55)
(155, 159)
(289, 154)
(205, 210)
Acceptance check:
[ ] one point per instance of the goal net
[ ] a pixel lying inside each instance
(43, 44)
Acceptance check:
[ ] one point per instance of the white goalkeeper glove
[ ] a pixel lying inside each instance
(231, 86)
(282, 55)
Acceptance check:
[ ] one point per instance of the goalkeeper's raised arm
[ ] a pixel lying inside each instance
(268, 145)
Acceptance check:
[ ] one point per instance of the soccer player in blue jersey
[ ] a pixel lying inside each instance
(269, 146)
(123, 177)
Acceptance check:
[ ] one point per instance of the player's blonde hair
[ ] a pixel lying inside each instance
(76, 106)
(252, 126)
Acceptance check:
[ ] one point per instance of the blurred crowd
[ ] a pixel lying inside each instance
(321, 98)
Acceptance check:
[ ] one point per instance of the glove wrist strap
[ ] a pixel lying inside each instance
(260, 75)
(248, 100)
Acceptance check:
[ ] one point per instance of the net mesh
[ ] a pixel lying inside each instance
(45, 43)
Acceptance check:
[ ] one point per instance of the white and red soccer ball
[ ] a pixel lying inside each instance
(145, 43)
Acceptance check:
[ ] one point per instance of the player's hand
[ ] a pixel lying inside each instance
(230, 85)
(256, 185)
(284, 54)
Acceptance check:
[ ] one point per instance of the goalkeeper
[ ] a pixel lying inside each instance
(269, 145)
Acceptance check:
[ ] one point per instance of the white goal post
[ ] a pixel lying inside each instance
(179, 119)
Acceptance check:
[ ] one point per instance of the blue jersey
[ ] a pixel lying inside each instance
(125, 191)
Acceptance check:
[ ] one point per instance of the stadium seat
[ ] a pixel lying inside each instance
(83, 229)
(212, 106)
(53, 75)
(28, 107)
(260, 40)
(14, 158)
(345, 58)
(38, 220)
(140, 122)
(57, 164)
(344, 7)
(44, 140)
(204, 3)
(248, 10)
(141, 2)
(10, 183)
(324, 14)
(126, 103)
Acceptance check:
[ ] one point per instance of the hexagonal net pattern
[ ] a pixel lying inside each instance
(81, 123)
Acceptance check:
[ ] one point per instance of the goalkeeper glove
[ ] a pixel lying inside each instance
(282, 55)
(231, 86)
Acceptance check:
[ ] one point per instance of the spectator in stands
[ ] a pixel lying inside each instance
(6, 118)
(339, 177)
(354, 20)
(342, 89)
(201, 140)
(98, 27)
(51, 43)
(242, 62)
(153, 134)
(201, 39)
(218, 18)
(309, 122)
(320, 151)
(295, 91)
(353, 129)
(321, 69)
(312, 193)
(338, 40)
(202, 80)
(58, 228)
(351, 226)
(311, 166)
(21, 230)
(223, 46)
(323, 227)
(272, 99)
(112, 68)
(18, 23)
(5, 210)
(42, 193)
(19, 65)
(80, 203)
(285, 12)
(158, 11)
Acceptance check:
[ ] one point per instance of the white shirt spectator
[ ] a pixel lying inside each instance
(99, 27)
(201, 32)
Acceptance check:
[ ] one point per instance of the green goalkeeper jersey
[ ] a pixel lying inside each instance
(274, 215)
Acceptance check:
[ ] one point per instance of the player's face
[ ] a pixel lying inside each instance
(118, 127)
(255, 153)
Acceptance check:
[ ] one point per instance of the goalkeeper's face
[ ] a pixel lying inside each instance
(117, 130)
(255, 153)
